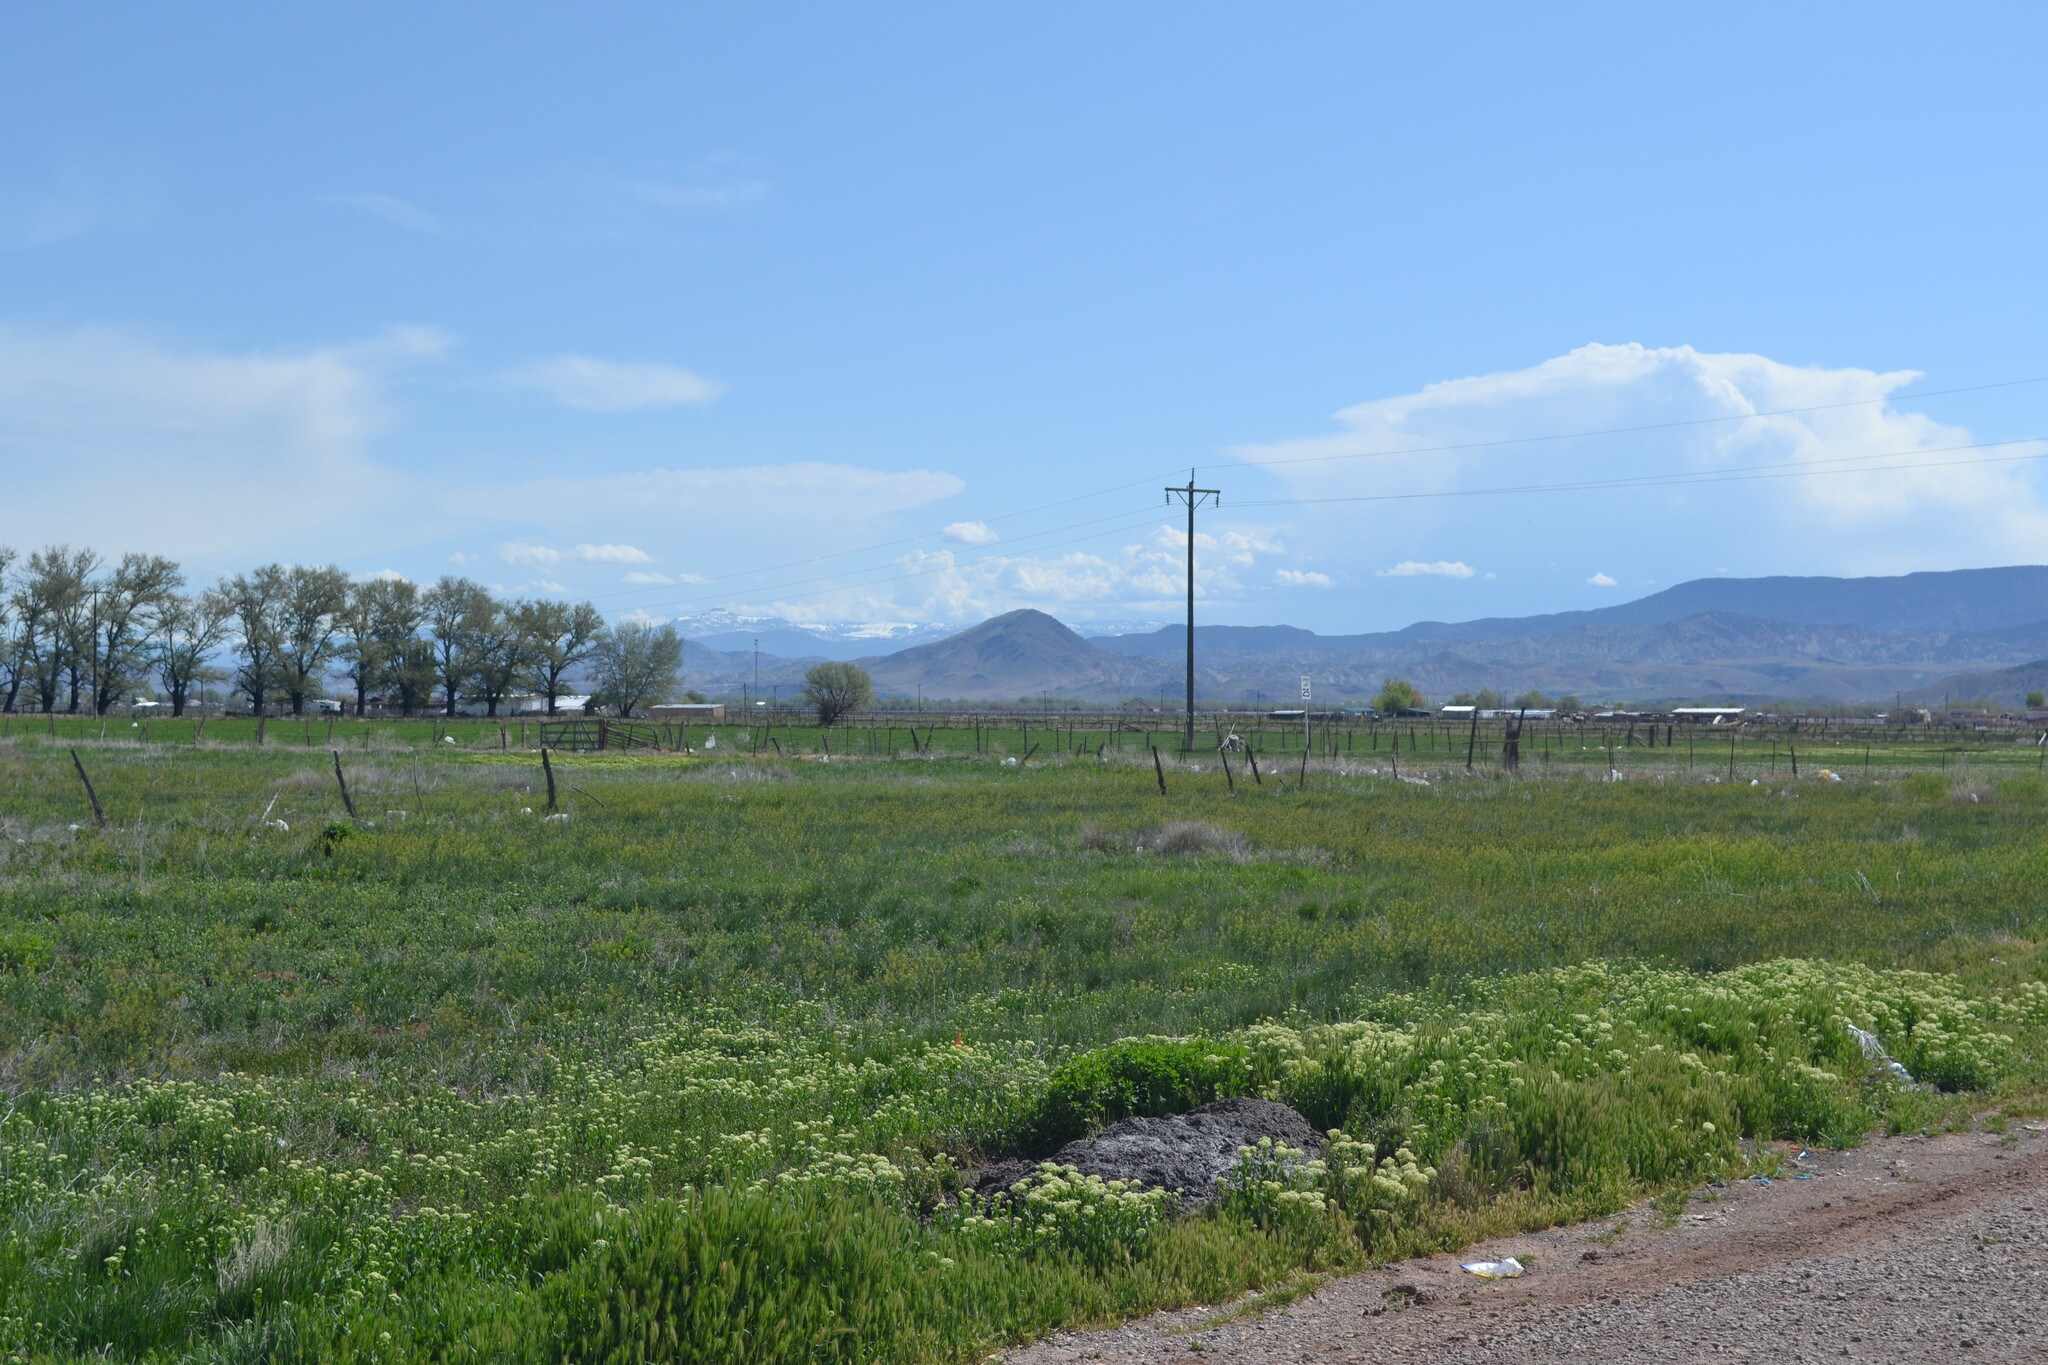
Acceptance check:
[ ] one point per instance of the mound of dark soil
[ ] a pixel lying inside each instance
(1185, 1152)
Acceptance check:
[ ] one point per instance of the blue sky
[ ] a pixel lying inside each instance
(902, 312)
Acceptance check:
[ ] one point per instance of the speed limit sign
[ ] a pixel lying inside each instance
(1304, 687)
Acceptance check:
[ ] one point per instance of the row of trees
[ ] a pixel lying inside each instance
(80, 633)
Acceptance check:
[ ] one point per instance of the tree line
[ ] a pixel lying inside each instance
(81, 633)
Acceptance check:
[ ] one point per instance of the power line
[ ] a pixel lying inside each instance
(640, 590)
(912, 539)
(1789, 469)
(1631, 430)
(845, 585)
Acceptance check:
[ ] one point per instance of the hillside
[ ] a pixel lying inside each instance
(1017, 654)
(1742, 640)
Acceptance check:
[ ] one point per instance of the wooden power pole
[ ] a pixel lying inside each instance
(1193, 497)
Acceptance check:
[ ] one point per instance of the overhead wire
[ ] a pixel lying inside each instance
(1785, 469)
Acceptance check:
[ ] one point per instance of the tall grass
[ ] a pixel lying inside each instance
(450, 1082)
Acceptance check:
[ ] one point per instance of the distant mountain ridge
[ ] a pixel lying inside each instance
(1780, 638)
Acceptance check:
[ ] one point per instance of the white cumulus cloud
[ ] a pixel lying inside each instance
(1415, 568)
(580, 381)
(539, 552)
(1302, 578)
(1600, 580)
(970, 533)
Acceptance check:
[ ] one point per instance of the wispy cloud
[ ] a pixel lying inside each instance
(1415, 568)
(702, 197)
(71, 210)
(971, 533)
(648, 578)
(1600, 580)
(539, 552)
(594, 385)
(111, 407)
(1302, 578)
(391, 209)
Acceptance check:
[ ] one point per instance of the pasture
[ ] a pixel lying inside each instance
(692, 1072)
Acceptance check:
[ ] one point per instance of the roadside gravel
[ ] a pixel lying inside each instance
(1905, 1249)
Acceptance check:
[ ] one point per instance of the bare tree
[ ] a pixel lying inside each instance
(189, 630)
(455, 607)
(636, 665)
(558, 637)
(838, 689)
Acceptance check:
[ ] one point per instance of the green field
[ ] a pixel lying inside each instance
(690, 1073)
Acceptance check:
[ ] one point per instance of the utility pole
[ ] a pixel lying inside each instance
(1193, 497)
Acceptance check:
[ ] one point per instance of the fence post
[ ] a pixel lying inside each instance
(99, 817)
(348, 802)
(1224, 754)
(548, 768)
(1159, 770)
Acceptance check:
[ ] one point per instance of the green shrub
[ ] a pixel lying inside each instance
(1138, 1076)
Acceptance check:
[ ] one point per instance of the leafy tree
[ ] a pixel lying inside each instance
(125, 619)
(1398, 695)
(455, 609)
(411, 673)
(558, 637)
(381, 620)
(1533, 700)
(257, 601)
(313, 602)
(189, 629)
(1568, 702)
(838, 689)
(498, 651)
(52, 610)
(1487, 700)
(1463, 699)
(2036, 700)
(636, 664)
(10, 657)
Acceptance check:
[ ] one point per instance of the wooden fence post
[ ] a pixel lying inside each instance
(348, 802)
(1159, 770)
(548, 768)
(99, 817)
(1224, 754)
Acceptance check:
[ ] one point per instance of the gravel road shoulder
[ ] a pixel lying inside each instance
(1904, 1249)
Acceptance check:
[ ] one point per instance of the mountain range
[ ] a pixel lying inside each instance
(1969, 632)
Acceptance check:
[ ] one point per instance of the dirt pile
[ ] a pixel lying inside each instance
(1186, 1152)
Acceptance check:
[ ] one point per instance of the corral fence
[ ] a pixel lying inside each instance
(601, 734)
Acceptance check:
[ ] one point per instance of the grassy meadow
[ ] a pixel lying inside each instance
(691, 1072)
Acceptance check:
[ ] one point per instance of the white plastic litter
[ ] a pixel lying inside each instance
(526, 810)
(447, 739)
(1507, 1269)
(558, 818)
(280, 826)
(1879, 1059)
(1009, 762)
(1416, 781)
(710, 743)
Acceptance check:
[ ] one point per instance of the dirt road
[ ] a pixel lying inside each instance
(1903, 1250)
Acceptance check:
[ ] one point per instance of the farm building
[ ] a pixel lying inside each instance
(688, 710)
(1708, 715)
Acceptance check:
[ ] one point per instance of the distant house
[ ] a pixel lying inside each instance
(2038, 716)
(1708, 715)
(688, 710)
(1457, 712)
(524, 704)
